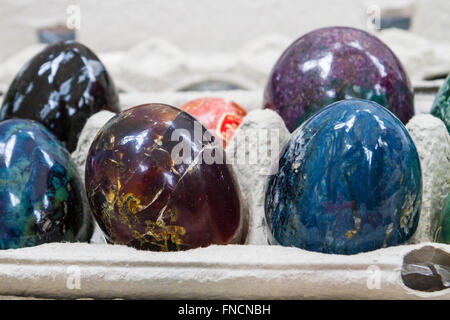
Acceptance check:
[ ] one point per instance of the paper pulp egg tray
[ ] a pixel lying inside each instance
(81, 270)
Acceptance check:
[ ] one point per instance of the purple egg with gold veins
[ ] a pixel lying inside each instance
(332, 64)
(142, 194)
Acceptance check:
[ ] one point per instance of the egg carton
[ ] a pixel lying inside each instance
(78, 270)
(250, 271)
(425, 92)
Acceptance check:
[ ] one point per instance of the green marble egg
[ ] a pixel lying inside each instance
(42, 198)
(441, 104)
(443, 234)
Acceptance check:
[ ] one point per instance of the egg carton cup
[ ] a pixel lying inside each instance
(254, 270)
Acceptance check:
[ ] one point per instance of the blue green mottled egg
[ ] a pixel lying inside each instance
(444, 228)
(42, 198)
(349, 181)
(441, 104)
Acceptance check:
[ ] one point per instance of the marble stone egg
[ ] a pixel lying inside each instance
(348, 181)
(220, 116)
(157, 180)
(42, 198)
(61, 87)
(443, 234)
(441, 104)
(332, 64)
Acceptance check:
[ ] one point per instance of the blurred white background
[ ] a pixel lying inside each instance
(169, 45)
(201, 25)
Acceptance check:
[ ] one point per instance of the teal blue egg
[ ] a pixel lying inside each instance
(42, 198)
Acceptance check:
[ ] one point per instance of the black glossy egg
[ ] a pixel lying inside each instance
(61, 87)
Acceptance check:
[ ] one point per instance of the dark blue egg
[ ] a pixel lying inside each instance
(42, 198)
(348, 181)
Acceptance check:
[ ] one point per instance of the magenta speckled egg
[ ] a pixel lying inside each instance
(332, 64)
